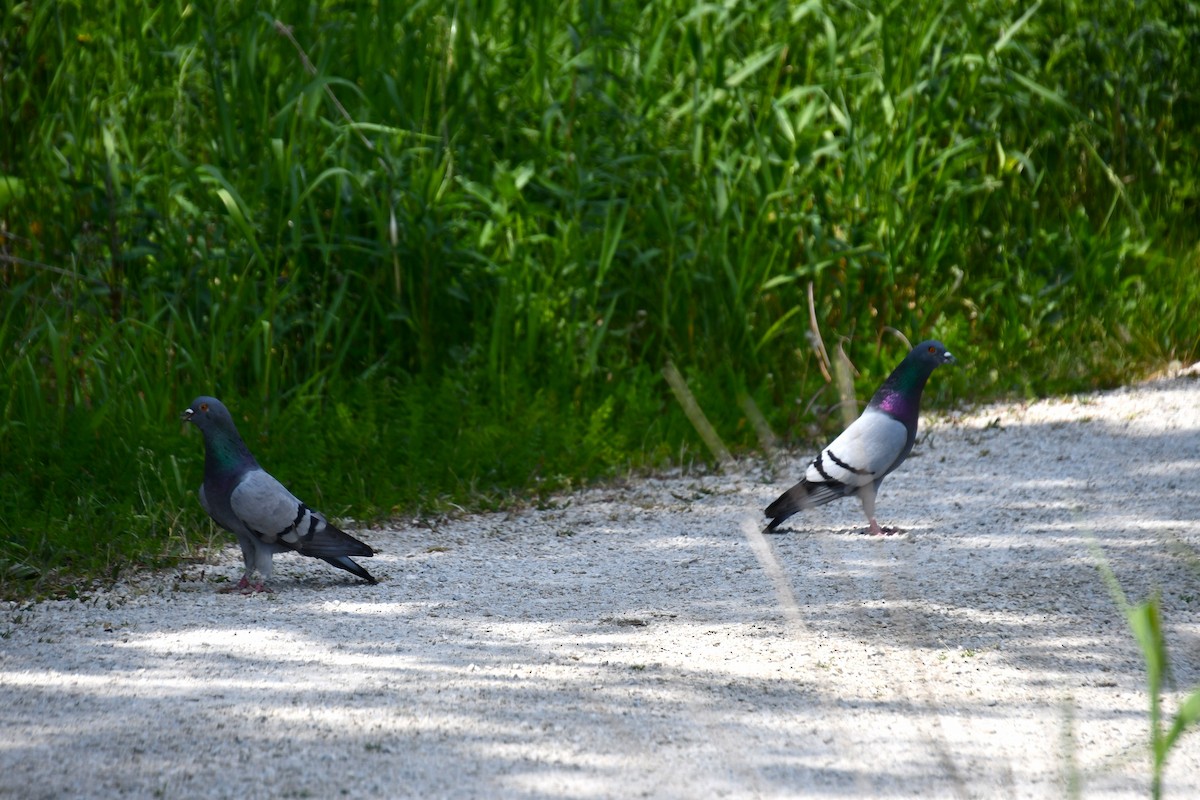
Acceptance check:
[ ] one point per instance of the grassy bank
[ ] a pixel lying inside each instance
(439, 253)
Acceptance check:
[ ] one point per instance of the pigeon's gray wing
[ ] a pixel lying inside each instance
(853, 464)
(275, 515)
(870, 448)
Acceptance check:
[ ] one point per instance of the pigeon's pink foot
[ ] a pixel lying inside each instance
(260, 588)
(878, 531)
(240, 586)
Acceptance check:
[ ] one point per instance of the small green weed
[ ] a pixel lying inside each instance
(1146, 624)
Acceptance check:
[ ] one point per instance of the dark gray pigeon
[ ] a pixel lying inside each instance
(266, 518)
(856, 462)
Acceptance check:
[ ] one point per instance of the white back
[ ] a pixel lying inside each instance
(863, 453)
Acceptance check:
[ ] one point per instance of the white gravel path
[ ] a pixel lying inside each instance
(640, 640)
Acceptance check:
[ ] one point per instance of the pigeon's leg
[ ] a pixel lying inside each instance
(261, 587)
(247, 558)
(866, 495)
(265, 567)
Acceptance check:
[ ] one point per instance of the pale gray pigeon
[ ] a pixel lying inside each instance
(858, 460)
(266, 518)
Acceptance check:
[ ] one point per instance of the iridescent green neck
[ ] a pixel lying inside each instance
(900, 394)
(224, 452)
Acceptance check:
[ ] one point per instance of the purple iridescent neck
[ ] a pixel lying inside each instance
(897, 405)
(900, 395)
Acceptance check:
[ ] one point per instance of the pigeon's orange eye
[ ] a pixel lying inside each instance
(932, 349)
(204, 406)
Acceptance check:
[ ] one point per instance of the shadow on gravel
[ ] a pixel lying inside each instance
(1006, 541)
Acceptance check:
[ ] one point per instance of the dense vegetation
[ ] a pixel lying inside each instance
(439, 252)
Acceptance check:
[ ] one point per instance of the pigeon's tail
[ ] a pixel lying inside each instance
(350, 565)
(325, 540)
(334, 546)
(791, 502)
(801, 496)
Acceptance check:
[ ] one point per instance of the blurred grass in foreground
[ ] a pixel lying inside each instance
(1145, 622)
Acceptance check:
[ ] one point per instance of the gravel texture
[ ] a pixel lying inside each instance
(644, 639)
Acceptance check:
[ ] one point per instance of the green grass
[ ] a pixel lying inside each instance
(1146, 624)
(439, 253)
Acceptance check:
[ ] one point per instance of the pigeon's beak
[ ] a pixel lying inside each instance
(946, 359)
(186, 416)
